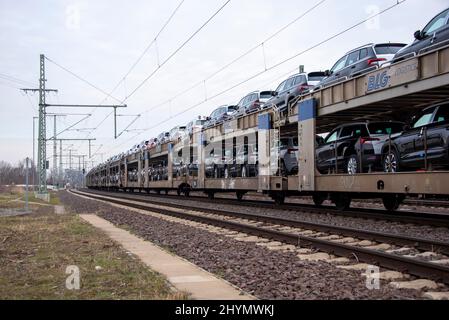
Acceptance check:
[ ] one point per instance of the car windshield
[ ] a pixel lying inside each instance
(295, 142)
(288, 142)
(339, 65)
(332, 137)
(388, 48)
(436, 23)
(385, 128)
(281, 86)
(266, 95)
(316, 78)
(423, 120)
(232, 108)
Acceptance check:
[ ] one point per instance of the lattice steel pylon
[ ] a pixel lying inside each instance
(42, 142)
(42, 136)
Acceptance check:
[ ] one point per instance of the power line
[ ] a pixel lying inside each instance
(172, 55)
(15, 80)
(5, 84)
(148, 47)
(286, 60)
(139, 59)
(302, 15)
(177, 50)
(155, 39)
(399, 2)
(82, 79)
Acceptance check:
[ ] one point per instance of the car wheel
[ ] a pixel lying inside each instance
(216, 176)
(244, 173)
(283, 170)
(391, 162)
(352, 165)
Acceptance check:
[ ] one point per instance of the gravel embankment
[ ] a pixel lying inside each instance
(264, 273)
(410, 230)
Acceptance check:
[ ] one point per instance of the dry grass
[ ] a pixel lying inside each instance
(35, 251)
(14, 197)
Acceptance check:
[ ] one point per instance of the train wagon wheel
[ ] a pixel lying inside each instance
(392, 202)
(342, 202)
(318, 199)
(279, 199)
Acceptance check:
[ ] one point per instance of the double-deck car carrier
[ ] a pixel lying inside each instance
(207, 161)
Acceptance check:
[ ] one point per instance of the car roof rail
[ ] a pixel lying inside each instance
(436, 46)
(361, 47)
(405, 57)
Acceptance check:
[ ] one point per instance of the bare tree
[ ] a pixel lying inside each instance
(14, 174)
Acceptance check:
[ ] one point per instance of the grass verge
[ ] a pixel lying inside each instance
(35, 251)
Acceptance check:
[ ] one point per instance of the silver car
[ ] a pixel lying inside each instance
(288, 155)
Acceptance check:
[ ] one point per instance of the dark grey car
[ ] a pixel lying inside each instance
(220, 115)
(253, 102)
(293, 87)
(433, 36)
(361, 60)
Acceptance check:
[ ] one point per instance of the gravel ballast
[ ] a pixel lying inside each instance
(397, 228)
(256, 270)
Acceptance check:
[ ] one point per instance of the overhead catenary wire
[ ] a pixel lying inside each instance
(82, 79)
(241, 56)
(15, 80)
(174, 53)
(154, 41)
(336, 35)
(290, 58)
(5, 84)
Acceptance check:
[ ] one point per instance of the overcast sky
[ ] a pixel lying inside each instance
(100, 40)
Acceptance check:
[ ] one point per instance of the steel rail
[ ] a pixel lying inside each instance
(390, 261)
(396, 239)
(419, 218)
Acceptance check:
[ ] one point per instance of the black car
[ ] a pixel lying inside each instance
(218, 163)
(358, 147)
(360, 61)
(433, 36)
(424, 143)
(293, 87)
(247, 160)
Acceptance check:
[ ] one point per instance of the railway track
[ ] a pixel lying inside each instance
(420, 218)
(394, 252)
